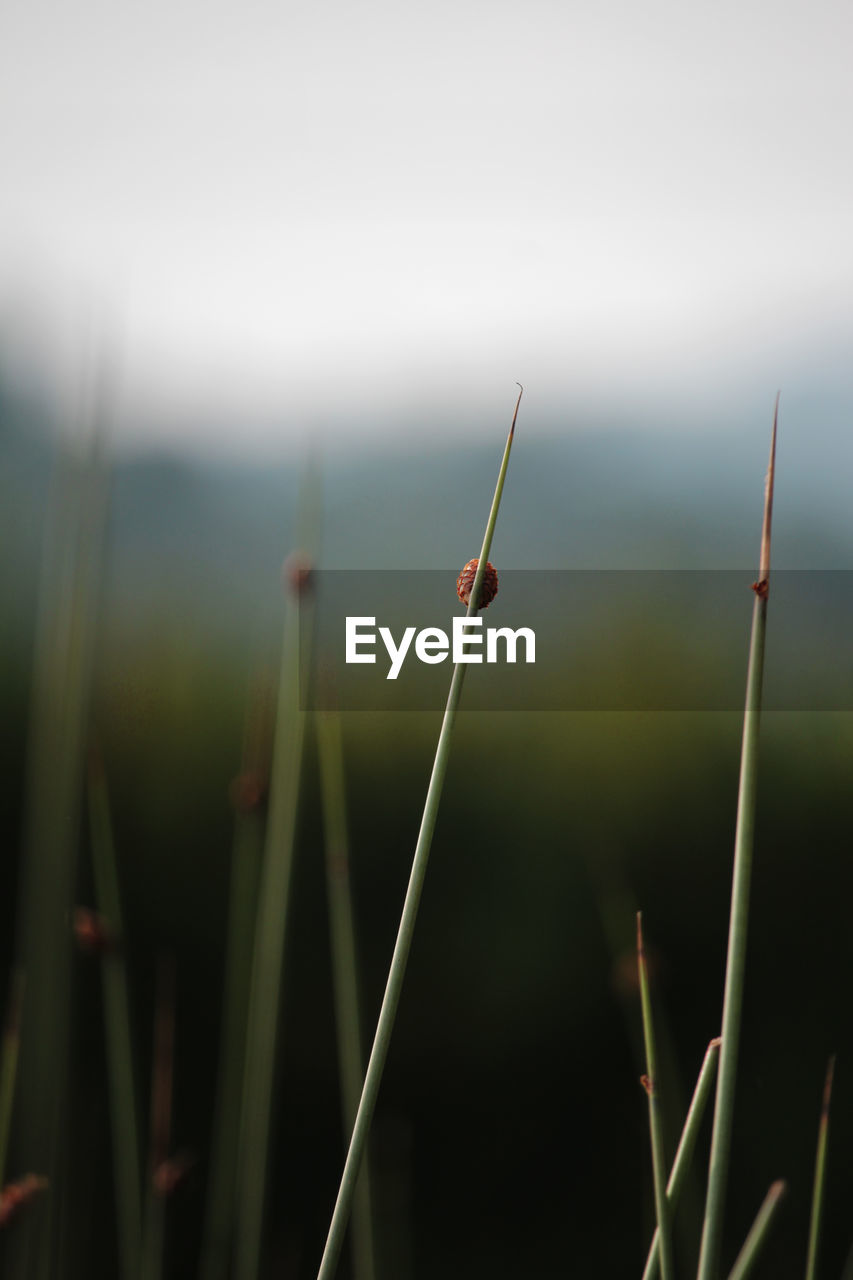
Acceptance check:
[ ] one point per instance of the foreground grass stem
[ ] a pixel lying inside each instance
(402, 946)
(117, 1033)
(651, 1084)
(819, 1174)
(345, 973)
(686, 1147)
(721, 1138)
(752, 1246)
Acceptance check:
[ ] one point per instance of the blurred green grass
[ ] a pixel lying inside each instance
(515, 984)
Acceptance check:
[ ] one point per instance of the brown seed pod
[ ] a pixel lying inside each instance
(299, 572)
(465, 583)
(93, 933)
(172, 1173)
(16, 1195)
(248, 791)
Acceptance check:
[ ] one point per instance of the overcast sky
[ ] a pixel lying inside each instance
(288, 209)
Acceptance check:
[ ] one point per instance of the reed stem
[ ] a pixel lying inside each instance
(651, 1084)
(819, 1174)
(754, 1242)
(402, 946)
(721, 1138)
(686, 1147)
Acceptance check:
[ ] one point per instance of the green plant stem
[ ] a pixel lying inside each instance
(9, 1063)
(721, 1138)
(270, 930)
(243, 905)
(345, 973)
(753, 1243)
(664, 1231)
(162, 1078)
(117, 1035)
(819, 1174)
(405, 933)
(686, 1147)
(63, 664)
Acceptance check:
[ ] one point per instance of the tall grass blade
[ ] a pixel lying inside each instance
(62, 676)
(753, 1243)
(651, 1084)
(819, 1174)
(721, 1138)
(247, 795)
(271, 925)
(686, 1147)
(405, 933)
(162, 1077)
(117, 1031)
(345, 973)
(9, 1064)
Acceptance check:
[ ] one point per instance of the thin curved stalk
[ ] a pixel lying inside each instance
(117, 1034)
(651, 1085)
(754, 1242)
(686, 1147)
(345, 973)
(721, 1137)
(819, 1174)
(270, 931)
(9, 1063)
(402, 946)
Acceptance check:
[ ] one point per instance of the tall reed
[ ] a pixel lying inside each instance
(651, 1084)
(63, 663)
(345, 972)
(405, 933)
(247, 797)
(270, 928)
(117, 1030)
(686, 1147)
(819, 1174)
(721, 1138)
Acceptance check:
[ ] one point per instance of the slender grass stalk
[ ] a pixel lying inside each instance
(9, 1063)
(405, 933)
(618, 910)
(63, 664)
(117, 1034)
(686, 1147)
(270, 931)
(721, 1138)
(345, 973)
(753, 1243)
(819, 1174)
(162, 1074)
(246, 856)
(651, 1085)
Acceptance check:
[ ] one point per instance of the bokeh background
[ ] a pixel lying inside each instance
(240, 248)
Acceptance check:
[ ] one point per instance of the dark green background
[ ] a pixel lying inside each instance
(511, 1133)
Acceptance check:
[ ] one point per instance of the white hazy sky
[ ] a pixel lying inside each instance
(291, 208)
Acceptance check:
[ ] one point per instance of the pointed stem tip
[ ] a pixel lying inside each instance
(515, 413)
(764, 570)
(827, 1087)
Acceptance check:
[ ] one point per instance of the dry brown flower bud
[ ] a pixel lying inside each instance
(299, 572)
(16, 1195)
(94, 934)
(248, 791)
(465, 583)
(172, 1173)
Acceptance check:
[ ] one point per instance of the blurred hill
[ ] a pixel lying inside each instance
(514, 1006)
(192, 536)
